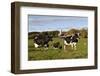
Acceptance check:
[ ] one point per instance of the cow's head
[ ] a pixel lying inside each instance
(77, 35)
(36, 37)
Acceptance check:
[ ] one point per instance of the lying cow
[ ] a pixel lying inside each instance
(71, 40)
(42, 40)
(57, 45)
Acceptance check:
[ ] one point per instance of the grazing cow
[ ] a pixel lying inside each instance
(42, 40)
(71, 40)
(57, 45)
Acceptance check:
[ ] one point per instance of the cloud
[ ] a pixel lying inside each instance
(40, 23)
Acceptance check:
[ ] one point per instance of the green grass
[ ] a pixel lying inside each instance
(51, 53)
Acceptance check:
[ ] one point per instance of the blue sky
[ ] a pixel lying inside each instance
(39, 23)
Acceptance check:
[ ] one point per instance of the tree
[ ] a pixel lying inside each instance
(73, 31)
(84, 33)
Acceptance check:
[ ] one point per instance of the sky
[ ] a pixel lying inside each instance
(40, 23)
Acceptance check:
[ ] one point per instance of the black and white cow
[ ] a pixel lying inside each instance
(41, 40)
(57, 45)
(71, 40)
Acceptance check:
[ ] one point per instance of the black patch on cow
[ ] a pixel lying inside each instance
(68, 39)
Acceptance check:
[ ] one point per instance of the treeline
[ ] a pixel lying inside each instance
(53, 33)
(83, 33)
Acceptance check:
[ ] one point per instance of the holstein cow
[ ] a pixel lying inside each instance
(71, 40)
(42, 40)
(57, 45)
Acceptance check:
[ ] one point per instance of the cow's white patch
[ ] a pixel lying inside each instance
(36, 45)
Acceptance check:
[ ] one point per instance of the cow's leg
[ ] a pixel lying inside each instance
(64, 47)
(74, 46)
(46, 46)
(65, 44)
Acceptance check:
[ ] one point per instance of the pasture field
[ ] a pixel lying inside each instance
(52, 53)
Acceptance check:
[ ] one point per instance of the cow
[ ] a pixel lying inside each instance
(71, 40)
(42, 40)
(57, 45)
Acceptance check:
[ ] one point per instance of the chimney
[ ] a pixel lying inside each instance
(60, 32)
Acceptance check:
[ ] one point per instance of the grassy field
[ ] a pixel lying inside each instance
(51, 53)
